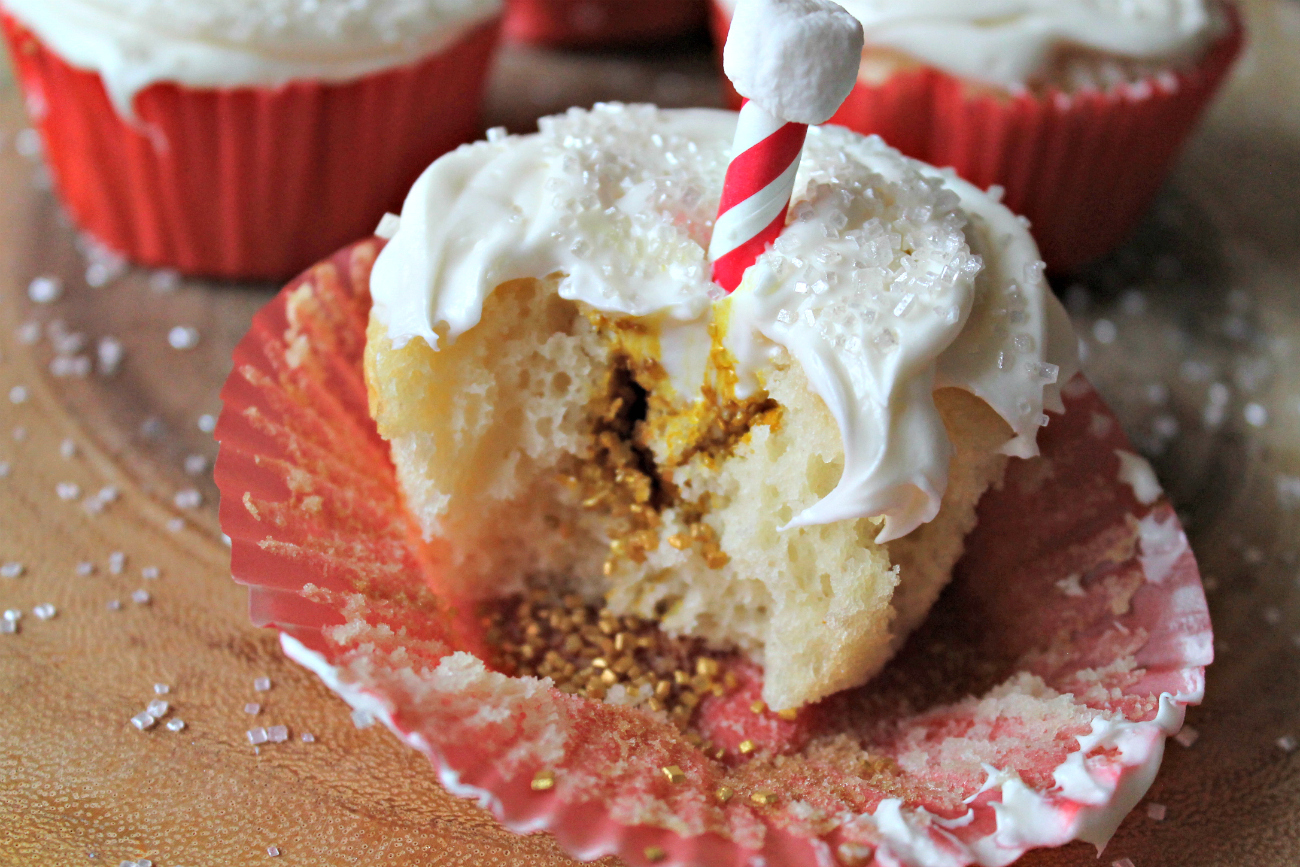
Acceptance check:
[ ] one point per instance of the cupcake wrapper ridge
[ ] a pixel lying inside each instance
(1082, 167)
(247, 182)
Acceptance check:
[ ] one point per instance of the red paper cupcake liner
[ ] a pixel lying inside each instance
(247, 182)
(1068, 584)
(601, 23)
(1083, 167)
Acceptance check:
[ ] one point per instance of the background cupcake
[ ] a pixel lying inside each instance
(245, 138)
(598, 23)
(1075, 109)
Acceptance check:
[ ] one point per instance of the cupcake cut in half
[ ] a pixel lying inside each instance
(1075, 109)
(245, 138)
(547, 561)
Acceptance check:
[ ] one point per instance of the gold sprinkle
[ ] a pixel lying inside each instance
(729, 680)
(621, 641)
(678, 541)
(662, 689)
(655, 854)
(790, 714)
(599, 662)
(674, 774)
(747, 747)
(608, 677)
(724, 794)
(762, 799)
(758, 706)
(681, 678)
(706, 666)
(544, 781)
(717, 690)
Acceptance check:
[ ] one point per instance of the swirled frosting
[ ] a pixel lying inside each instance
(892, 279)
(132, 44)
(1011, 43)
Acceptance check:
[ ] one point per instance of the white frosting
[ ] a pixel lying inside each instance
(132, 44)
(1012, 42)
(1136, 472)
(891, 280)
(797, 59)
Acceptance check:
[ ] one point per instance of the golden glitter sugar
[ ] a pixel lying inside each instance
(724, 794)
(655, 854)
(674, 774)
(746, 747)
(544, 781)
(587, 650)
(762, 799)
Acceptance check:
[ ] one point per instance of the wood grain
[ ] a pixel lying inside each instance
(1216, 267)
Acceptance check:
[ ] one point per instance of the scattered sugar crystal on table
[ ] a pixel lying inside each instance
(29, 333)
(189, 498)
(195, 465)
(85, 567)
(68, 449)
(175, 725)
(141, 597)
(1255, 414)
(161, 689)
(1187, 736)
(308, 738)
(8, 627)
(67, 490)
(262, 684)
(1287, 744)
(45, 611)
(18, 395)
(109, 352)
(13, 615)
(207, 423)
(183, 337)
(257, 736)
(362, 719)
(175, 525)
(1156, 812)
(277, 734)
(252, 708)
(164, 281)
(157, 708)
(116, 562)
(113, 605)
(1272, 616)
(143, 720)
(4, 469)
(273, 851)
(150, 573)
(45, 289)
(20, 434)
(107, 494)
(12, 570)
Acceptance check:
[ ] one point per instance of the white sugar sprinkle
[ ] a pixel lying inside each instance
(143, 721)
(273, 851)
(175, 525)
(164, 281)
(12, 570)
(4, 469)
(68, 449)
(1156, 812)
(157, 708)
(107, 494)
(207, 423)
(1256, 415)
(85, 567)
(256, 736)
(18, 394)
(1287, 744)
(45, 289)
(13, 615)
(116, 562)
(277, 734)
(1187, 736)
(262, 684)
(141, 597)
(114, 605)
(29, 333)
(110, 353)
(175, 725)
(252, 708)
(150, 573)
(362, 719)
(189, 498)
(308, 738)
(195, 465)
(45, 611)
(27, 142)
(161, 689)
(20, 434)
(1104, 331)
(8, 627)
(183, 337)
(68, 490)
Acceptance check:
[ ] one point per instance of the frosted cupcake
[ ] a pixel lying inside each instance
(636, 563)
(1075, 109)
(601, 23)
(240, 138)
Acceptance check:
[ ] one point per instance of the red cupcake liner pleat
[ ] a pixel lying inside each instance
(601, 23)
(247, 182)
(1082, 167)
(1067, 580)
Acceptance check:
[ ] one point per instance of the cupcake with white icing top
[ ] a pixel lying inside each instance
(1076, 109)
(787, 471)
(245, 139)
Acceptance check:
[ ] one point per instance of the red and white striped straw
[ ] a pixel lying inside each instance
(795, 61)
(756, 192)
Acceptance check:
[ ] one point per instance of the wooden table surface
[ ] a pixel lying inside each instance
(1192, 332)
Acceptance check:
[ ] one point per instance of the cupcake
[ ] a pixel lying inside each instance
(601, 23)
(245, 139)
(1074, 110)
(636, 562)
